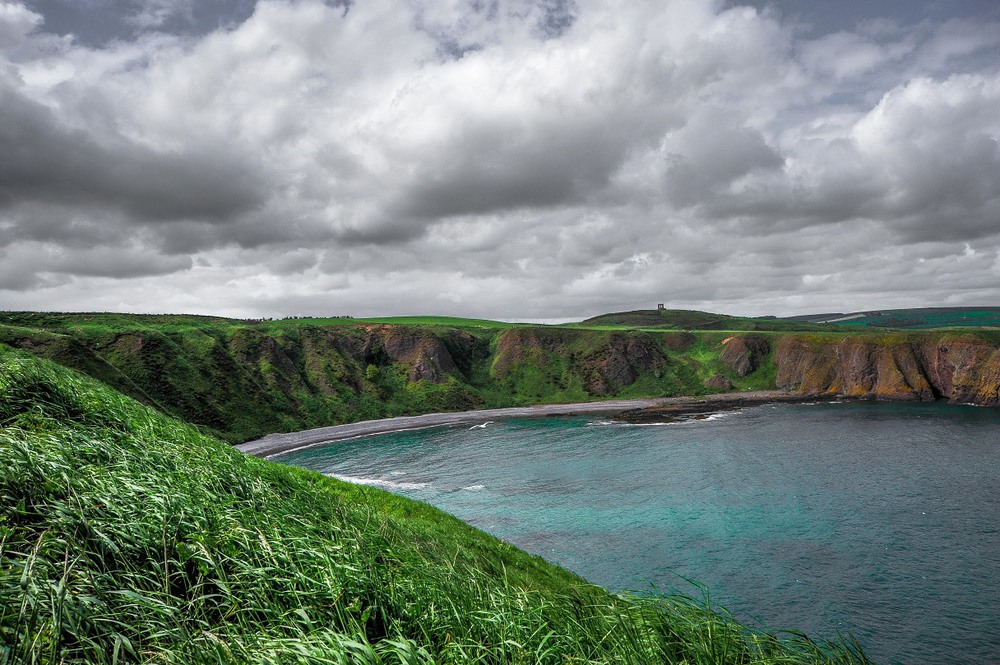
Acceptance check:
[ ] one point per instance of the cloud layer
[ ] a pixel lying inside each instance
(521, 159)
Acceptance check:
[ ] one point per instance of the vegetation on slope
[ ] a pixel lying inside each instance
(922, 318)
(127, 536)
(682, 319)
(241, 379)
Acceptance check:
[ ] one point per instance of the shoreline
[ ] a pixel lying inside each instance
(643, 410)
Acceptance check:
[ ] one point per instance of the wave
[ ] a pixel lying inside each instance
(662, 423)
(721, 414)
(378, 482)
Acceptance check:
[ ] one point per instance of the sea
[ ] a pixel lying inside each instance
(870, 519)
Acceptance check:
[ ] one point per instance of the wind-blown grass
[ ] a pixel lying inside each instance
(127, 536)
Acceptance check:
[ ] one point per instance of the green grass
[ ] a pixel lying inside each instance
(112, 322)
(923, 318)
(450, 321)
(127, 536)
(680, 319)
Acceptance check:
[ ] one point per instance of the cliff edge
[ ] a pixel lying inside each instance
(961, 368)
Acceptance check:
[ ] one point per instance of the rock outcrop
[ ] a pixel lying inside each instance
(960, 368)
(601, 363)
(620, 362)
(744, 353)
(719, 382)
(426, 355)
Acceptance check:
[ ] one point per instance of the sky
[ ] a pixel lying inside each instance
(533, 160)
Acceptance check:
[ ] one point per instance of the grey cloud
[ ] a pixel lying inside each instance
(30, 265)
(713, 156)
(157, 13)
(119, 263)
(473, 25)
(475, 186)
(379, 229)
(960, 45)
(46, 160)
(557, 17)
(293, 262)
(492, 166)
(97, 22)
(924, 162)
(254, 231)
(15, 275)
(67, 227)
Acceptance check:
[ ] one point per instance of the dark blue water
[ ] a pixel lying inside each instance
(880, 520)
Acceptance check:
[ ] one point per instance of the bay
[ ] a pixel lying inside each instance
(875, 519)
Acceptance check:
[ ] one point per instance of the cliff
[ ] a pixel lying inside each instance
(242, 380)
(956, 367)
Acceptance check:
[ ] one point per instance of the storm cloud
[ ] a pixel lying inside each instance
(525, 159)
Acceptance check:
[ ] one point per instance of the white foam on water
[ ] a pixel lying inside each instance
(720, 415)
(378, 482)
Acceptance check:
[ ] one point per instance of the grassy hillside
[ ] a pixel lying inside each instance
(917, 319)
(127, 536)
(682, 319)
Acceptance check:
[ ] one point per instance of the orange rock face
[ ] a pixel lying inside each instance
(961, 368)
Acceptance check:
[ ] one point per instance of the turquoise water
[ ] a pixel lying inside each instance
(881, 520)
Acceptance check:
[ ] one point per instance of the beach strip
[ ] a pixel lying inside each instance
(631, 410)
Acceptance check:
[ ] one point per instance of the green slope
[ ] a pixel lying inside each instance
(127, 536)
(682, 319)
(924, 318)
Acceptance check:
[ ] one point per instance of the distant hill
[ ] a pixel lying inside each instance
(684, 319)
(920, 318)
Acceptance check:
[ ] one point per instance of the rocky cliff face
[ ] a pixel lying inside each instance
(958, 368)
(601, 363)
(426, 355)
(744, 353)
(620, 361)
(245, 379)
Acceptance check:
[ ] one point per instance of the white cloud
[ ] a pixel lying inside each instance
(16, 23)
(150, 14)
(532, 159)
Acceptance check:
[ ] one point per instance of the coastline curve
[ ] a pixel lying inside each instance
(630, 410)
